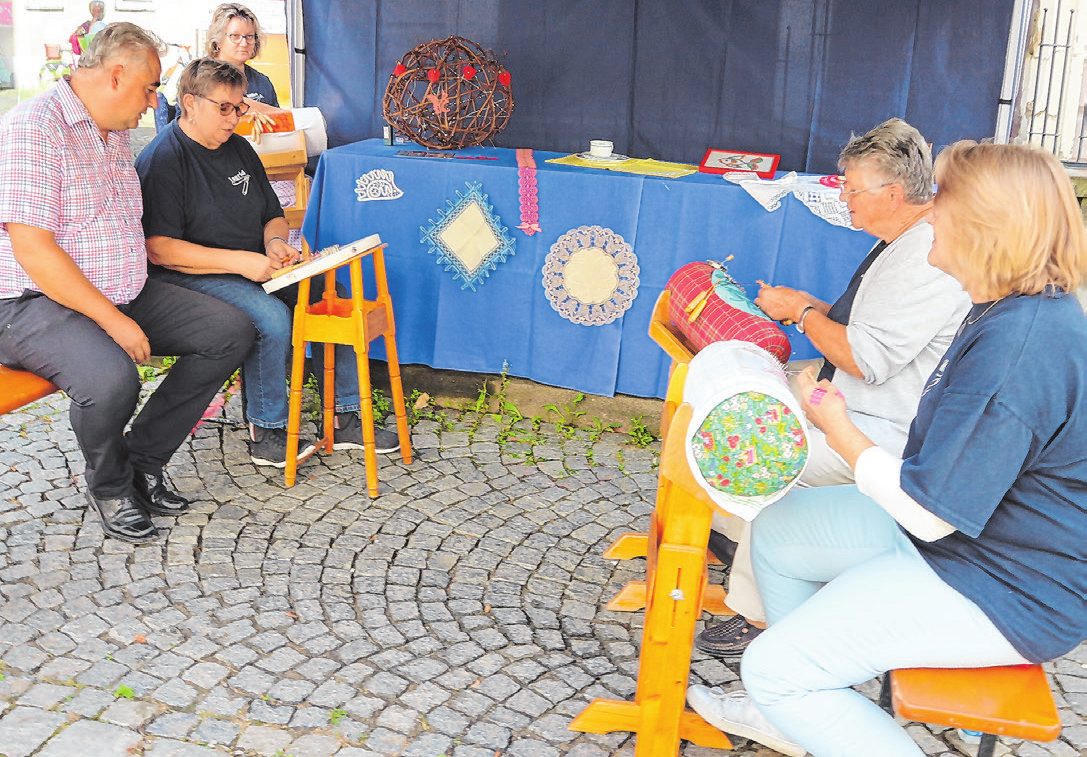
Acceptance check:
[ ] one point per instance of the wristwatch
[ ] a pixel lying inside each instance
(803, 315)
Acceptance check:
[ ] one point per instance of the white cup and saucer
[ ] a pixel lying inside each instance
(602, 151)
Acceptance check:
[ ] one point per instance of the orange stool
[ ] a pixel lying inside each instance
(357, 322)
(636, 544)
(18, 388)
(1010, 701)
(674, 598)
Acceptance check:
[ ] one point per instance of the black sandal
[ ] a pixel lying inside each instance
(727, 639)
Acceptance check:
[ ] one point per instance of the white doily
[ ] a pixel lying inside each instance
(591, 276)
(824, 201)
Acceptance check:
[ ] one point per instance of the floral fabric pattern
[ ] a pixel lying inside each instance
(750, 445)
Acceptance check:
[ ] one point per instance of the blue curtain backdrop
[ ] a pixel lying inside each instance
(667, 79)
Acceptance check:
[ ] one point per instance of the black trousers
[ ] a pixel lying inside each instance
(209, 337)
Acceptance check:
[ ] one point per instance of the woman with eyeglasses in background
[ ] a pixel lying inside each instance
(214, 225)
(235, 37)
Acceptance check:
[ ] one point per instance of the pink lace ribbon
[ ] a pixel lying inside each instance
(530, 200)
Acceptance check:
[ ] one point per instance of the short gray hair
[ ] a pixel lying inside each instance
(120, 39)
(899, 153)
(222, 17)
(203, 75)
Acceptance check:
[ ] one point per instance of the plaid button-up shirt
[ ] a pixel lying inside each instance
(57, 174)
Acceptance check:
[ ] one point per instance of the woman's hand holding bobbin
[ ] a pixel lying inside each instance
(822, 402)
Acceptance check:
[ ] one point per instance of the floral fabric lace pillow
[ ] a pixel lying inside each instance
(750, 445)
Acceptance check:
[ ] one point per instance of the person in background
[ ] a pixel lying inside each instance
(214, 225)
(880, 340)
(84, 33)
(234, 36)
(970, 548)
(76, 305)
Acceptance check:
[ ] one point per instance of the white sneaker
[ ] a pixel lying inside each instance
(734, 712)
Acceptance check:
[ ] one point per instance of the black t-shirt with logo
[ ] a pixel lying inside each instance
(215, 198)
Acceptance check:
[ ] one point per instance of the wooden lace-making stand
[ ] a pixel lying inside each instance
(635, 544)
(675, 588)
(356, 321)
(1013, 701)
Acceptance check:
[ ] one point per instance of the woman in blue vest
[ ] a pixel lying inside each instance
(971, 550)
(234, 36)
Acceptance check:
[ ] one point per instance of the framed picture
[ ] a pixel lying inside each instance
(732, 161)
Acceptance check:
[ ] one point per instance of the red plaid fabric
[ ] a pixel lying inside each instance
(718, 320)
(56, 173)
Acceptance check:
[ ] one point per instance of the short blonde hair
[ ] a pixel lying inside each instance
(221, 18)
(899, 153)
(1015, 223)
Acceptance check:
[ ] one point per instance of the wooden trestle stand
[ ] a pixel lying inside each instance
(675, 590)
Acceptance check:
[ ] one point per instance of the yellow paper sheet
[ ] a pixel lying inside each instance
(646, 166)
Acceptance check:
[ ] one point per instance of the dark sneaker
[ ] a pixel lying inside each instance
(727, 639)
(349, 435)
(270, 447)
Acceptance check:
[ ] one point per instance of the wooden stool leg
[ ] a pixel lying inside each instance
(294, 406)
(367, 414)
(328, 404)
(328, 396)
(391, 354)
(362, 355)
(398, 395)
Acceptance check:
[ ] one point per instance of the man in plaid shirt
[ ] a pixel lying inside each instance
(76, 306)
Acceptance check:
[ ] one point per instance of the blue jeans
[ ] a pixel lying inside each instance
(265, 368)
(849, 597)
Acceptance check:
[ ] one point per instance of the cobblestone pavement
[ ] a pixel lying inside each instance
(461, 613)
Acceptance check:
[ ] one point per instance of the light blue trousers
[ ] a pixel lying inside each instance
(849, 597)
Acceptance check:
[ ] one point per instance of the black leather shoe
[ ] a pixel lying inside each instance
(152, 490)
(123, 518)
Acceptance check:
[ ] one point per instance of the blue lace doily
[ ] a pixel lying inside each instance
(468, 238)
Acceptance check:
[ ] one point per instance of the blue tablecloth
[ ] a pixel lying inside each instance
(508, 320)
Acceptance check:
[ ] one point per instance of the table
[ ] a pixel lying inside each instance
(508, 321)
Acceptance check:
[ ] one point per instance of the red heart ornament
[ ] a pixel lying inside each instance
(434, 75)
(400, 69)
(504, 78)
(469, 72)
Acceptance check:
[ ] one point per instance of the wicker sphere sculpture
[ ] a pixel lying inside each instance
(447, 94)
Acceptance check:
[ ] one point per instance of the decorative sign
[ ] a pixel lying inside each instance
(378, 184)
(728, 161)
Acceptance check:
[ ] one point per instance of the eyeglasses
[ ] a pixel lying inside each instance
(225, 108)
(843, 187)
(237, 39)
